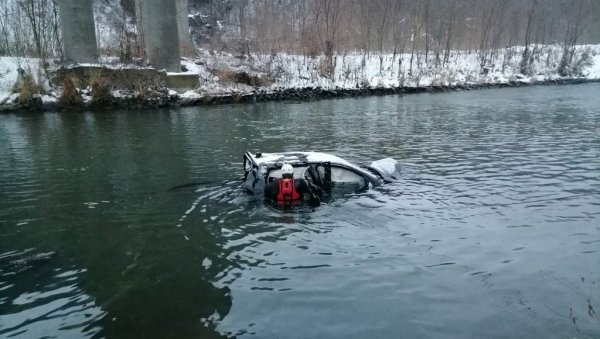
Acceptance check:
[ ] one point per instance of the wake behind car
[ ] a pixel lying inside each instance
(320, 169)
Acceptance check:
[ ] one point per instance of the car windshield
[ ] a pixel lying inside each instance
(299, 172)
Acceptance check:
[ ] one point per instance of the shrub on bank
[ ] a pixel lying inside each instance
(70, 96)
(27, 88)
(242, 77)
(101, 96)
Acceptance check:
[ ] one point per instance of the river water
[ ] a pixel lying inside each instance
(492, 231)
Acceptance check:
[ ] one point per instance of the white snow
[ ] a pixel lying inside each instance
(293, 157)
(48, 98)
(594, 70)
(352, 70)
(190, 95)
(118, 94)
(355, 70)
(9, 73)
(387, 165)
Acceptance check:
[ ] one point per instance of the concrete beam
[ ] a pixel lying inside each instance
(182, 82)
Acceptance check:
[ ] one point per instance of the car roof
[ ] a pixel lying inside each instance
(297, 158)
(275, 160)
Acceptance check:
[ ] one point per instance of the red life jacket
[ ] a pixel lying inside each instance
(287, 191)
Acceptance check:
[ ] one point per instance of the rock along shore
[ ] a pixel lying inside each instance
(164, 99)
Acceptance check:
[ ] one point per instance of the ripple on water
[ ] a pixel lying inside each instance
(493, 222)
(52, 303)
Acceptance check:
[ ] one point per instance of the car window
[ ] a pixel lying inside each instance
(276, 173)
(345, 180)
(342, 175)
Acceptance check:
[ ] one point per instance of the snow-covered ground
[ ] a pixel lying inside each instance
(356, 70)
(217, 71)
(9, 73)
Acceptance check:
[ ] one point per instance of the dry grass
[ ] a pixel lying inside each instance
(27, 87)
(101, 96)
(126, 79)
(241, 77)
(70, 97)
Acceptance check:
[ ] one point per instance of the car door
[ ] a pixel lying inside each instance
(251, 176)
(338, 178)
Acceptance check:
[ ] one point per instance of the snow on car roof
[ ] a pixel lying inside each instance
(300, 157)
(275, 160)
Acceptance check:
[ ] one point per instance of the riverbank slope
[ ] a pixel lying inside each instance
(227, 78)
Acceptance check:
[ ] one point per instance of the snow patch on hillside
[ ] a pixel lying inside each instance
(355, 70)
(9, 67)
(218, 72)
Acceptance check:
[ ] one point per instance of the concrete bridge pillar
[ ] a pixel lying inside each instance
(78, 31)
(158, 22)
(183, 27)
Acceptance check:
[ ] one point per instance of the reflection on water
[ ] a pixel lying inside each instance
(38, 299)
(491, 231)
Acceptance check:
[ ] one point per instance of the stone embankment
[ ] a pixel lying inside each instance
(311, 93)
(162, 97)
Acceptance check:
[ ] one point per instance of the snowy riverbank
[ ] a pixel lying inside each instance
(225, 78)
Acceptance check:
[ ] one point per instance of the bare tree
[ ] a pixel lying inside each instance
(330, 11)
(427, 28)
(574, 20)
(333, 29)
(451, 19)
(5, 31)
(525, 58)
(383, 8)
(416, 32)
(398, 23)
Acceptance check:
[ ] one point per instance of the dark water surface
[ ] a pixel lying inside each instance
(493, 231)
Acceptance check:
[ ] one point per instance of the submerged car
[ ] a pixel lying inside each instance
(320, 169)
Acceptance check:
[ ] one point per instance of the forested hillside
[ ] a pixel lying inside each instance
(241, 45)
(315, 27)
